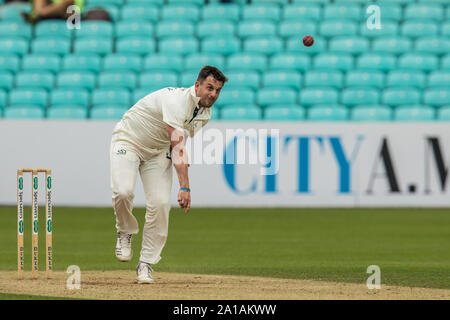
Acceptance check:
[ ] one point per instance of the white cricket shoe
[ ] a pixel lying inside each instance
(144, 273)
(124, 252)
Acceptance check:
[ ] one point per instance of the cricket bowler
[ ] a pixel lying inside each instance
(148, 139)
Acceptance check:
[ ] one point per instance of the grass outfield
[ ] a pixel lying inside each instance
(411, 246)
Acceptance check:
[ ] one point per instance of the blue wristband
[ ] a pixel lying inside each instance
(185, 189)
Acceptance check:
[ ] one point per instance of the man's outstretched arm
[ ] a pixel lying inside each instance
(180, 162)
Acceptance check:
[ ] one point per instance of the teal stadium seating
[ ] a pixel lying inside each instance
(41, 62)
(6, 82)
(327, 79)
(70, 98)
(400, 72)
(71, 113)
(284, 113)
(122, 62)
(81, 62)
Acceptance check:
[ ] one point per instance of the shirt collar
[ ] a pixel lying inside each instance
(194, 96)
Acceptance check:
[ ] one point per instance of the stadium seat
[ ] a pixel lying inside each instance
(290, 61)
(117, 98)
(424, 11)
(241, 113)
(2, 100)
(389, 29)
(138, 94)
(212, 28)
(445, 62)
(436, 45)
(140, 13)
(438, 79)
(295, 45)
(284, 114)
(12, 12)
(78, 79)
(329, 79)
(294, 28)
(28, 97)
(282, 79)
(107, 113)
(333, 28)
(24, 113)
(225, 45)
(401, 96)
(172, 62)
(389, 11)
(247, 61)
(302, 12)
(93, 45)
(279, 2)
(243, 79)
(182, 46)
(395, 45)
(236, 96)
(6, 82)
(353, 45)
(32, 80)
(81, 62)
(69, 98)
(180, 12)
(117, 80)
(158, 80)
(342, 11)
(122, 62)
(41, 62)
(157, 3)
(353, 97)
(311, 96)
(218, 12)
(254, 28)
(188, 79)
(418, 61)
(365, 79)
(437, 96)
(133, 29)
(106, 2)
(135, 45)
(13, 46)
(9, 62)
(415, 29)
(95, 30)
(416, 114)
(71, 113)
(445, 29)
(371, 113)
(173, 28)
(268, 96)
(196, 61)
(52, 28)
(60, 46)
(331, 61)
(376, 61)
(261, 11)
(444, 113)
(398, 78)
(16, 30)
(325, 113)
(265, 45)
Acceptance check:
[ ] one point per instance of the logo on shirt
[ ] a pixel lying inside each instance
(122, 152)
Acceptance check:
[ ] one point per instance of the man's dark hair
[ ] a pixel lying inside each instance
(211, 71)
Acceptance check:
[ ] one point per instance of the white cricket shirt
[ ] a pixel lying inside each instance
(144, 124)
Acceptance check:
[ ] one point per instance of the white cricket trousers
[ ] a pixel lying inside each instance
(156, 176)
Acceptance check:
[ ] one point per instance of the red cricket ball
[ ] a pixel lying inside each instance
(308, 41)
